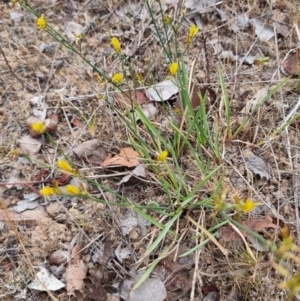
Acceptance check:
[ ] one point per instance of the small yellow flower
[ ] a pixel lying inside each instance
(71, 189)
(39, 127)
(116, 44)
(117, 78)
(41, 22)
(47, 191)
(162, 156)
(139, 77)
(248, 206)
(65, 166)
(78, 37)
(174, 68)
(193, 31)
(167, 19)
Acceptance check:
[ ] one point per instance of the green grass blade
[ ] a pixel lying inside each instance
(163, 233)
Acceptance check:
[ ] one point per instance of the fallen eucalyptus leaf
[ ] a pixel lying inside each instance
(262, 30)
(25, 205)
(162, 91)
(256, 164)
(49, 282)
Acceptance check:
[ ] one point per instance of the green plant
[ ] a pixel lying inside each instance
(197, 137)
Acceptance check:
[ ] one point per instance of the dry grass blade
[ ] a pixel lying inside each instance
(210, 236)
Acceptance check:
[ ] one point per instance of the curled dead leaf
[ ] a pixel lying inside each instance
(127, 157)
(291, 65)
(162, 91)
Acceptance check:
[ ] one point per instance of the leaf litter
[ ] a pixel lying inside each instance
(152, 289)
(45, 281)
(256, 164)
(162, 91)
(91, 151)
(127, 157)
(75, 272)
(255, 224)
(30, 202)
(133, 220)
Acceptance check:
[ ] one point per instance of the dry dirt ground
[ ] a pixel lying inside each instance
(37, 76)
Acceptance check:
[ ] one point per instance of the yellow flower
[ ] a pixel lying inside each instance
(167, 19)
(65, 166)
(174, 68)
(117, 78)
(71, 189)
(248, 206)
(139, 77)
(47, 191)
(78, 37)
(162, 156)
(116, 44)
(39, 127)
(193, 31)
(42, 22)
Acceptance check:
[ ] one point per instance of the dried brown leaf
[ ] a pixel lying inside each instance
(58, 257)
(211, 293)
(29, 146)
(127, 157)
(177, 273)
(291, 65)
(75, 122)
(137, 96)
(75, 272)
(256, 224)
(91, 151)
